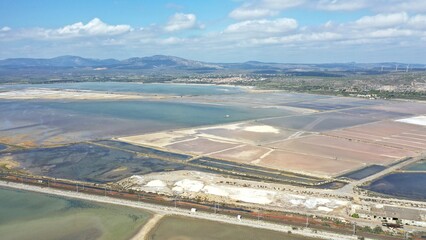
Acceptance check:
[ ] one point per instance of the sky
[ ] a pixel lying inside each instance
(288, 31)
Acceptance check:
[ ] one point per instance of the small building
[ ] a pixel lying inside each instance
(391, 214)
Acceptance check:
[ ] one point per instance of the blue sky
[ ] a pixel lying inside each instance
(304, 31)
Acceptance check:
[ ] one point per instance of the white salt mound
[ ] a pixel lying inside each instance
(419, 120)
(214, 190)
(156, 183)
(262, 129)
(189, 185)
(325, 209)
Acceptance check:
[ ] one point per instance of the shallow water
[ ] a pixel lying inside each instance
(154, 88)
(418, 166)
(365, 172)
(32, 216)
(319, 122)
(179, 228)
(57, 122)
(184, 114)
(92, 163)
(405, 185)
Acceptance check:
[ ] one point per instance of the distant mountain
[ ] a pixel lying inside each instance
(163, 63)
(62, 61)
(153, 62)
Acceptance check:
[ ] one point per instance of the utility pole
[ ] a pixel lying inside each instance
(354, 231)
(258, 214)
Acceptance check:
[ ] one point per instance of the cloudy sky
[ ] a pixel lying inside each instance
(304, 31)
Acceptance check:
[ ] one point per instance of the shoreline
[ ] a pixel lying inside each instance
(158, 209)
(248, 89)
(73, 94)
(148, 227)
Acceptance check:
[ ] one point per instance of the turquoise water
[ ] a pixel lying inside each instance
(152, 88)
(27, 215)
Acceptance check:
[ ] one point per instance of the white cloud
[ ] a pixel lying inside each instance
(181, 21)
(281, 4)
(5, 29)
(418, 21)
(341, 5)
(280, 25)
(390, 33)
(299, 38)
(249, 13)
(253, 33)
(415, 6)
(251, 9)
(172, 40)
(262, 8)
(93, 28)
(383, 20)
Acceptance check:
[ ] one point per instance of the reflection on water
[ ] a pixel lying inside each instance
(27, 215)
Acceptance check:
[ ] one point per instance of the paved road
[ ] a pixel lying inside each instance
(183, 212)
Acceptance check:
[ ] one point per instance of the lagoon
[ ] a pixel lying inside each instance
(175, 227)
(150, 88)
(27, 215)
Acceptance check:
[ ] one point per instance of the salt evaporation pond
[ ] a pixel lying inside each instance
(2, 147)
(418, 166)
(405, 185)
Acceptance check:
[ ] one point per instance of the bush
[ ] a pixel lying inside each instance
(377, 229)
